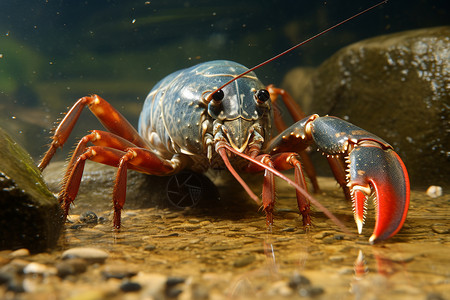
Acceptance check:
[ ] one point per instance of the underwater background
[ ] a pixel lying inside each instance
(54, 52)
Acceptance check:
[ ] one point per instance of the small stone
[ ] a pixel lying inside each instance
(71, 266)
(20, 253)
(244, 261)
(298, 280)
(310, 291)
(37, 268)
(173, 292)
(339, 237)
(130, 286)
(93, 255)
(18, 264)
(89, 217)
(337, 258)
(440, 228)
(150, 247)
(288, 229)
(172, 281)
(329, 240)
(118, 271)
(434, 191)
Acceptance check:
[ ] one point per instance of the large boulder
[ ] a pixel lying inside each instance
(30, 216)
(396, 86)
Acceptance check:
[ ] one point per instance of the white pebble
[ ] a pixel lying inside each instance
(434, 191)
(89, 254)
(37, 268)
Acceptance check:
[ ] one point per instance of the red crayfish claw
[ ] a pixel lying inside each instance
(381, 174)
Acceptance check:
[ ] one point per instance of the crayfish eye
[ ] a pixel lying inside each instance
(218, 96)
(262, 96)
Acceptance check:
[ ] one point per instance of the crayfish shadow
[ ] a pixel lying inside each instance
(215, 194)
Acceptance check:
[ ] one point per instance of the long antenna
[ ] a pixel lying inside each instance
(209, 97)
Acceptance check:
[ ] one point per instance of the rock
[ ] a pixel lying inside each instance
(337, 258)
(20, 253)
(41, 269)
(310, 291)
(130, 286)
(30, 216)
(298, 280)
(150, 247)
(395, 86)
(71, 266)
(244, 261)
(89, 217)
(434, 191)
(89, 254)
(119, 271)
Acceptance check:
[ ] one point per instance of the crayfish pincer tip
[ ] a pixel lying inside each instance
(359, 225)
(372, 239)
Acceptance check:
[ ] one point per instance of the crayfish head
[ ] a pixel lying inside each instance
(239, 132)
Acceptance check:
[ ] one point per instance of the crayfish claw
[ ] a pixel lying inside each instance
(383, 172)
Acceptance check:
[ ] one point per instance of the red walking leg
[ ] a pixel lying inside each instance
(107, 115)
(297, 114)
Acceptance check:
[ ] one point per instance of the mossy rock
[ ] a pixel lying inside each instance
(30, 216)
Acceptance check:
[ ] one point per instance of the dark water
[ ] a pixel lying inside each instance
(52, 53)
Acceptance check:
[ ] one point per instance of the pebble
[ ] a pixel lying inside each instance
(71, 266)
(336, 258)
(440, 228)
(345, 271)
(434, 191)
(172, 281)
(93, 255)
(89, 217)
(20, 253)
(244, 261)
(150, 247)
(298, 280)
(289, 229)
(118, 270)
(172, 286)
(130, 286)
(311, 291)
(37, 268)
